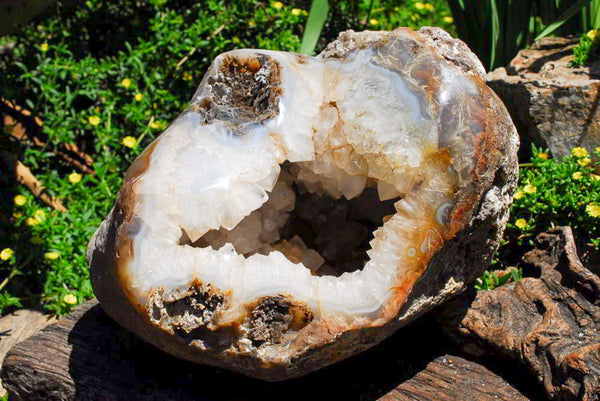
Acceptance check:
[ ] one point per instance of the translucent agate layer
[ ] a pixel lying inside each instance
(287, 219)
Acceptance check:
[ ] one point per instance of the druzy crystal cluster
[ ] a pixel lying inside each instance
(302, 209)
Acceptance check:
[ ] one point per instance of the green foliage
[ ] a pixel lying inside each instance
(497, 29)
(588, 48)
(373, 15)
(490, 280)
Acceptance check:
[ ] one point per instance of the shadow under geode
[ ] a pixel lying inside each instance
(122, 367)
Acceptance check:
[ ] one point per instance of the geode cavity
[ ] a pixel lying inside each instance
(302, 209)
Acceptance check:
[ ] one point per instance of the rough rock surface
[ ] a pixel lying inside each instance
(553, 105)
(195, 294)
(550, 324)
(86, 356)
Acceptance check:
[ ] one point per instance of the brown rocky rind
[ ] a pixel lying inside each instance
(476, 224)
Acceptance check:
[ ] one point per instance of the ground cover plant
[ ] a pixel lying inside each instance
(87, 91)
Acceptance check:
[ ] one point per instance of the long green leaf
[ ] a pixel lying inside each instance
(317, 17)
(564, 17)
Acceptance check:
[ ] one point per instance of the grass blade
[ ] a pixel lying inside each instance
(317, 16)
(564, 17)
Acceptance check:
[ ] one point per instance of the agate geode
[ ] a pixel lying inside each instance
(302, 209)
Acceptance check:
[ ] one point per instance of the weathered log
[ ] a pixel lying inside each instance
(550, 324)
(17, 327)
(86, 356)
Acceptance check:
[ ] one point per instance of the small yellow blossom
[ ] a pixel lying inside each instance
(6, 254)
(129, 141)
(518, 195)
(429, 6)
(138, 97)
(74, 178)
(157, 125)
(36, 240)
(70, 299)
(597, 149)
(39, 215)
(529, 189)
(31, 221)
(448, 19)
(593, 209)
(278, 5)
(187, 76)
(593, 34)
(419, 5)
(94, 120)
(584, 162)
(543, 155)
(577, 175)
(415, 17)
(20, 200)
(44, 47)
(251, 23)
(373, 21)
(521, 223)
(595, 177)
(51, 255)
(17, 215)
(579, 152)
(126, 82)
(296, 11)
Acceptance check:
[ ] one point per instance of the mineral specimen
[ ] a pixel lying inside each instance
(302, 209)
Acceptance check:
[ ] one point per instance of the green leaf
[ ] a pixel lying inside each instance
(317, 16)
(564, 17)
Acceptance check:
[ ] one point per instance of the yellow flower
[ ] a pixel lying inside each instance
(521, 223)
(529, 189)
(94, 120)
(44, 47)
(31, 221)
(250, 23)
(74, 178)
(579, 152)
(129, 141)
(296, 11)
(584, 162)
(448, 19)
(595, 177)
(597, 149)
(138, 96)
(187, 76)
(20, 200)
(373, 21)
(577, 175)
(278, 5)
(593, 34)
(415, 17)
(419, 5)
(6, 254)
(126, 82)
(51, 255)
(36, 240)
(593, 209)
(156, 125)
(518, 195)
(543, 155)
(70, 299)
(429, 6)
(39, 215)
(17, 215)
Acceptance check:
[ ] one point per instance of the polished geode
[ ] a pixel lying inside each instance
(302, 209)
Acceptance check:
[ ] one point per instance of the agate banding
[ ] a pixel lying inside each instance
(302, 209)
